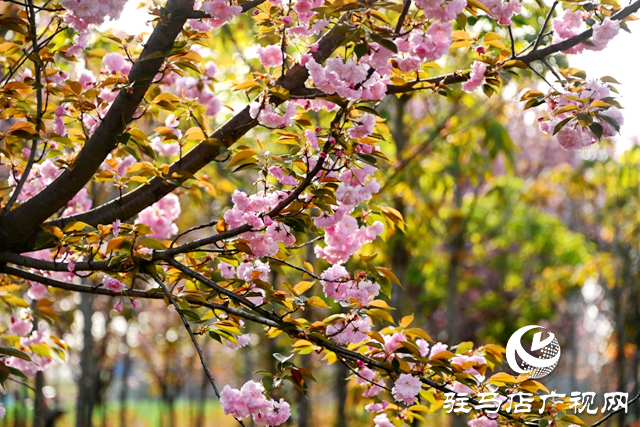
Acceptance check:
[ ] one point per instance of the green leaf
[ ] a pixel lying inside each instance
(596, 128)
(16, 353)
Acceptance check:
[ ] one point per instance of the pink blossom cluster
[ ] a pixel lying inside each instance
(114, 63)
(196, 88)
(43, 174)
(266, 233)
(482, 421)
(476, 77)
(160, 216)
(37, 364)
(421, 46)
(22, 328)
(113, 284)
(377, 407)
(37, 291)
(83, 13)
(343, 77)
(406, 389)
(569, 25)
(122, 164)
(467, 362)
(441, 10)
(338, 285)
(284, 179)
(90, 12)
(503, 11)
(220, 11)
(382, 420)
(270, 56)
(367, 377)
(241, 341)
(573, 136)
(345, 238)
(267, 115)
(250, 400)
(350, 331)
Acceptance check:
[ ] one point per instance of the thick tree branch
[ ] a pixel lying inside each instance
(133, 202)
(19, 224)
(133, 293)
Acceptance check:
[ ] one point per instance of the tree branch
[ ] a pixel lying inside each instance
(133, 293)
(133, 202)
(21, 223)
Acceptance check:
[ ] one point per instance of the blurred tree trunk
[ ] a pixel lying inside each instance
(304, 406)
(86, 379)
(456, 246)
(399, 252)
(39, 408)
(341, 374)
(204, 386)
(124, 387)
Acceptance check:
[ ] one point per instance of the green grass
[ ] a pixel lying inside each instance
(143, 413)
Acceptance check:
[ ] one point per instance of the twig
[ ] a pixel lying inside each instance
(513, 43)
(403, 15)
(193, 338)
(544, 26)
(611, 414)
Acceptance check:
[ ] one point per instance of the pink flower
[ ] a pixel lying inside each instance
(270, 56)
(382, 420)
(37, 291)
(437, 348)
(354, 332)
(227, 270)
(567, 25)
(482, 421)
(603, 32)
(114, 62)
(423, 346)
(394, 342)
(475, 78)
(274, 414)
(221, 12)
(364, 126)
(242, 341)
(249, 271)
(377, 407)
(287, 20)
(135, 303)
(210, 69)
(160, 216)
(118, 308)
(115, 227)
(71, 267)
(283, 178)
(113, 284)
(20, 327)
(233, 404)
(406, 389)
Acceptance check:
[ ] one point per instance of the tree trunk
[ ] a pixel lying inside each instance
(124, 388)
(341, 395)
(39, 408)
(85, 382)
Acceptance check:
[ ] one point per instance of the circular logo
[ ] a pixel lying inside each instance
(545, 357)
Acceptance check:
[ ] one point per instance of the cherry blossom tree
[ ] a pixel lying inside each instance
(158, 123)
